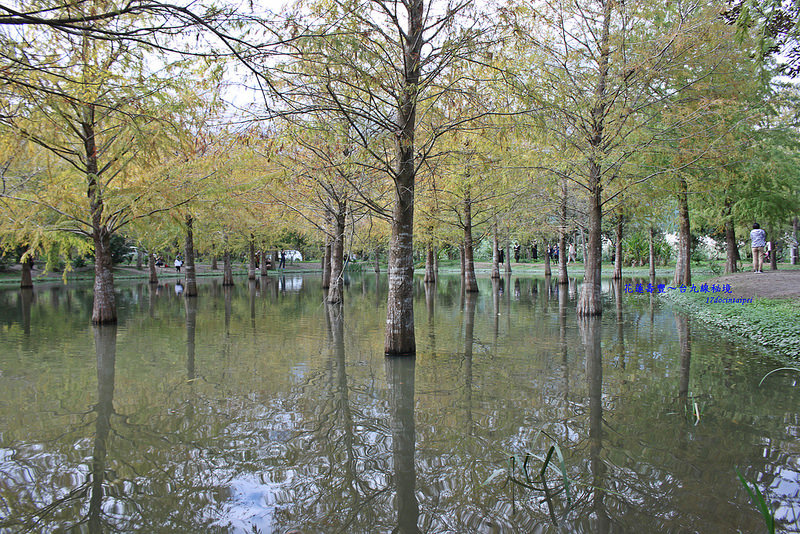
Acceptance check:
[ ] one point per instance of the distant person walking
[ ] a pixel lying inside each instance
(282, 264)
(572, 253)
(758, 238)
(178, 264)
(516, 252)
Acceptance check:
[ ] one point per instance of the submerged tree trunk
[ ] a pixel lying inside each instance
(104, 309)
(26, 280)
(337, 256)
(191, 272)
(326, 258)
(547, 270)
(151, 265)
(683, 263)
(589, 300)
(462, 260)
(563, 256)
(618, 249)
(430, 276)
(652, 255)
(227, 270)
(468, 263)
(251, 258)
(495, 253)
(263, 265)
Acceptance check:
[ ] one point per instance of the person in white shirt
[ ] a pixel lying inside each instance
(758, 238)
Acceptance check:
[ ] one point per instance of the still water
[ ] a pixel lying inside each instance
(258, 408)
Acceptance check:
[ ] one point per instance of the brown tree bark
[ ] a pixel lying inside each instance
(227, 269)
(337, 255)
(139, 259)
(508, 257)
(151, 264)
(468, 264)
(326, 258)
(430, 276)
(26, 279)
(683, 263)
(263, 265)
(104, 308)
(590, 301)
(731, 248)
(546, 254)
(495, 253)
(563, 276)
(377, 258)
(189, 266)
(794, 252)
(400, 307)
(773, 255)
(618, 249)
(652, 255)
(251, 258)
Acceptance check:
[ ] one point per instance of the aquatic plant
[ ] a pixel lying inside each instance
(759, 501)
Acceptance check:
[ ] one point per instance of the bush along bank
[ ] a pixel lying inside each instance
(773, 323)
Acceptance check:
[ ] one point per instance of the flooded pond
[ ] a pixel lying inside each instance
(258, 408)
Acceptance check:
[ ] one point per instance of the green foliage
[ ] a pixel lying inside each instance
(759, 501)
(772, 323)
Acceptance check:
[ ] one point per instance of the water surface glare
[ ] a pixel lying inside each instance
(258, 408)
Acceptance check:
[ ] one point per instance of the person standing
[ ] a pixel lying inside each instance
(572, 253)
(178, 263)
(282, 264)
(758, 240)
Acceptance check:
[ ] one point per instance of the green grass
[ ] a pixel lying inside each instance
(773, 323)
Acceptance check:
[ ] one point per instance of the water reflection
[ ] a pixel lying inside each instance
(105, 340)
(400, 377)
(303, 423)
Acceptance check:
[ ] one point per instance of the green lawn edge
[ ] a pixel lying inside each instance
(771, 323)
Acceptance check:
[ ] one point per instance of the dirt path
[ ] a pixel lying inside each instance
(769, 284)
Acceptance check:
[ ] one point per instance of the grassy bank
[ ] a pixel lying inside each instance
(773, 323)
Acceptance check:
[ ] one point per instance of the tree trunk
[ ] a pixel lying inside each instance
(430, 276)
(263, 266)
(191, 271)
(139, 259)
(495, 253)
(508, 258)
(546, 247)
(652, 255)
(436, 263)
(227, 270)
(337, 256)
(26, 280)
(563, 257)
(618, 250)
(151, 264)
(326, 258)
(468, 263)
(251, 257)
(400, 307)
(377, 256)
(731, 248)
(773, 253)
(590, 301)
(683, 263)
(214, 266)
(462, 260)
(104, 309)
(794, 242)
